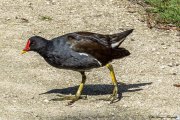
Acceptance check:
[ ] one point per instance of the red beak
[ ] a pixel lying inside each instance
(26, 48)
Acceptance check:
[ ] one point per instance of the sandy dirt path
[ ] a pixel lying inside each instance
(149, 73)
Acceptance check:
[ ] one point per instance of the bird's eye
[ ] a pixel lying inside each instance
(32, 43)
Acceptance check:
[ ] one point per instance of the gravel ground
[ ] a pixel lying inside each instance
(149, 72)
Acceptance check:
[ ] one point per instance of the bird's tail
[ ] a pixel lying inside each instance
(118, 53)
(118, 38)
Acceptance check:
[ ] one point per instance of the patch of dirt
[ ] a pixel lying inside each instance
(150, 72)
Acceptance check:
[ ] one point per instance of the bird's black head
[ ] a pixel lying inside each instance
(35, 43)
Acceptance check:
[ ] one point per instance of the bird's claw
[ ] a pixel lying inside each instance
(72, 98)
(111, 98)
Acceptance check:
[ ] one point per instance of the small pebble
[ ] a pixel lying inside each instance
(158, 53)
(132, 39)
(162, 44)
(46, 100)
(170, 64)
(162, 57)
(174, 73)
(177, 64)
(153, 49)
(162, 67)
(8, 18)
(164, 47)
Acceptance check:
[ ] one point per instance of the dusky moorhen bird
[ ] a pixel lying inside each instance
(81, 51)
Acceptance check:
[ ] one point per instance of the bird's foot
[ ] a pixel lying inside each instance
(112, 98)
(72, 98)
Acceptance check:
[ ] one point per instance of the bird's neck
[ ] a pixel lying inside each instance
(43, 50)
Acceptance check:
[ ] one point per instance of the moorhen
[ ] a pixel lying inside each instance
(81, 51)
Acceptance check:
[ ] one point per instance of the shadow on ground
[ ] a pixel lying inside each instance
(100, 89)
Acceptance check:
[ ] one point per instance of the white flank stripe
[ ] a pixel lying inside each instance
(83, 54)
(98, 62)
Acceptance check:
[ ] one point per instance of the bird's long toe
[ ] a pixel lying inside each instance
(72, 98)
(114, 97)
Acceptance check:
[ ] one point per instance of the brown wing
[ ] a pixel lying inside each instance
(99, 38)
(103, 47)
(90, 46)
(111, 41)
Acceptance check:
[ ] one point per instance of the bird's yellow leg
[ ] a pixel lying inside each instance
(78, 93)
(114, 95)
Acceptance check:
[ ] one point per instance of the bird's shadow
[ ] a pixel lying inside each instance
(99, 89)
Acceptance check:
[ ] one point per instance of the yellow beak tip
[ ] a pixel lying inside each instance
(23, 51)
